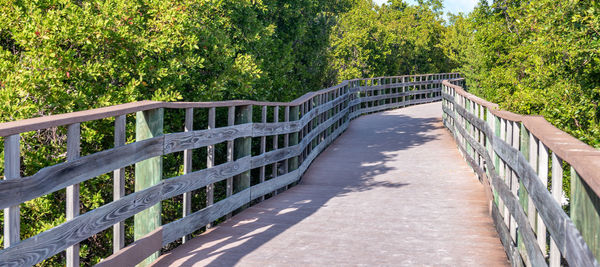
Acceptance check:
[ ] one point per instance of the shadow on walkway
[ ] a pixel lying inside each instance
(363, 159)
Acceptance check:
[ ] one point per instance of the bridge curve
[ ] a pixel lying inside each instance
(392, 190)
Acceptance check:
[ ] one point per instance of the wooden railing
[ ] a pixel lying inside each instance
(308, 125)
(521, 160)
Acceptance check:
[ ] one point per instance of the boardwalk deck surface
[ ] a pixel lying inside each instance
(393, 190)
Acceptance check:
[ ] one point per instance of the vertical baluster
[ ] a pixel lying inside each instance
(557, 181)
(210, 160)
(286, 138)
(230, 122)
(263, 146)
(533, 161)
(293, 139)
(275, 143)
(12, 170)
(515, 180)
(543, 174)
(119, 183)
(187, 166)
(73, 153)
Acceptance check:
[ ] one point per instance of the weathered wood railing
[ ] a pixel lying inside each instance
(515, 156)
(309, 124)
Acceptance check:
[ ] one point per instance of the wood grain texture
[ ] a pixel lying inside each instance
(189, 224)
(176, 142)
(48, 243)
(35, 249)
(149, 124)
(72, 194)
(136, 251)
(561, 228)
(119, 182)
(210, 159)
(557, 191)
(12, 171)
(59, 176)
(512, 203)
(70, 173)
(187, 165)
(585, 209)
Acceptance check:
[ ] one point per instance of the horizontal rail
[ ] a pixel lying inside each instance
(311, 123)
(513, 150)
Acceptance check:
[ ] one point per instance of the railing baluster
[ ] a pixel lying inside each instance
(73, 153)
(119, 183)
(514, 185)
(210, 161)
(286, 141)
(557, 189)
(275, 144)
(12, 170)
(230, 122)
(533, 161)
(263, 146)
(543, 174)
(187, 166)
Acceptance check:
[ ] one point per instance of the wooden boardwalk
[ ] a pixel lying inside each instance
(393, 190)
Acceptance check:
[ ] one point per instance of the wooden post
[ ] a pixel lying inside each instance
(73, 153)
(557, 181)
(286, 139)
(293, 139)
(263, 146)
(275, 144)
(210, 160)
(585, 209)
(119, 183)
(230, 146)
(242, 148)
(12, 170)
(149, 124)
(543, 174)
(187, 166)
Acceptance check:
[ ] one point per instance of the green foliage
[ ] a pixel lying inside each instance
(534, 57)
(392, 39)
(59, 56)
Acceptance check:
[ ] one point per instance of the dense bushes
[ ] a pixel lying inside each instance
(534, 57)
(60, 56)
(392, 39)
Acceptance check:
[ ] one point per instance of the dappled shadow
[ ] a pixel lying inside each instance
(355, 162)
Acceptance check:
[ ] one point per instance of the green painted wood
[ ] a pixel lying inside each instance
(242, 147)
(293, 162)
(148, 173)
(585, 210)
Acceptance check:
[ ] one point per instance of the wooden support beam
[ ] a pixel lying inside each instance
(293, 138)
(242, 148)
(187, 166)
(148, 173)
(73, 153)
(119, 183)
(12, 170)
(585, 212)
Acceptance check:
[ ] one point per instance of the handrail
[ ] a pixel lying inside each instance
(515, 154)
(310, 123)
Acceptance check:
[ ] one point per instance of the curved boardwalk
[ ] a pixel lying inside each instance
(392, 190)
